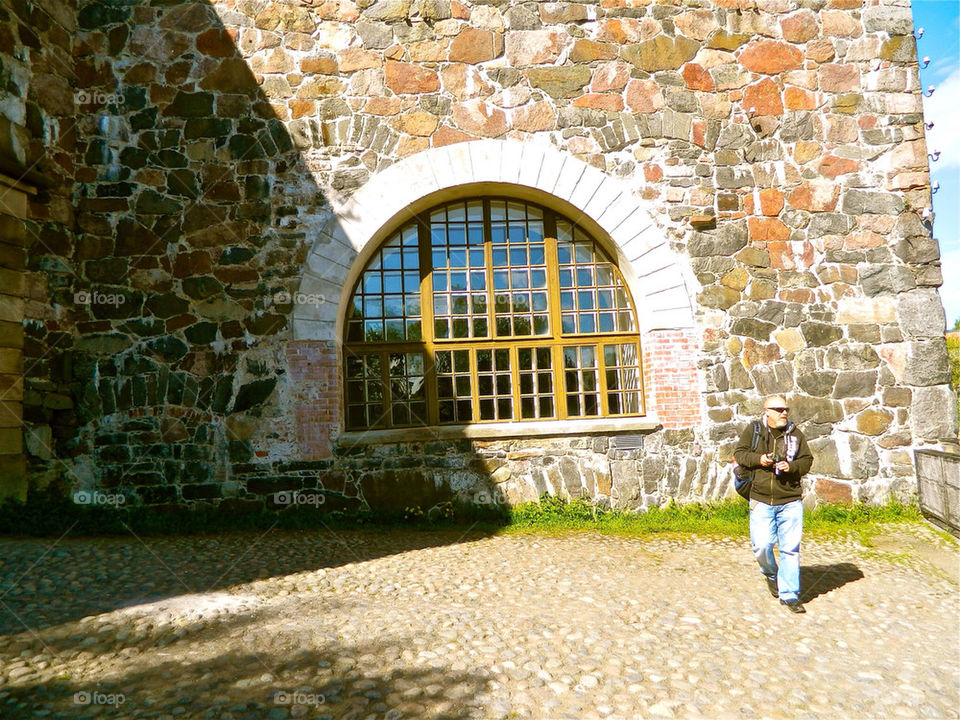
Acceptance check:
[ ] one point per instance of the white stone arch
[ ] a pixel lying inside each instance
(661, 283)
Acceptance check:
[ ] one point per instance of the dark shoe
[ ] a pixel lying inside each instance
(772, 587)
(794, 606)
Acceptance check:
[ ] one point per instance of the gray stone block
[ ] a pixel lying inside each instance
(829, 224)
(723, 241)
(862, 383)
(889, 19)
(927, 363)
(852, 357)
(857, 202)
(818, 384)
(933, 413)
(920, 313)
(774, 378)
(878, 279)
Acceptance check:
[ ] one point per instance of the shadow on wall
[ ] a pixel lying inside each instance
(193, 208)
(196, 213)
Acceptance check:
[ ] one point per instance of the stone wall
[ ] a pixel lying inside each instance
(778, 147)
(37, 145)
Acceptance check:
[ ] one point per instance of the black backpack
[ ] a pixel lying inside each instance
(743, 479)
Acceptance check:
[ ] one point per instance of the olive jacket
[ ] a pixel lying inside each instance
(769, 487)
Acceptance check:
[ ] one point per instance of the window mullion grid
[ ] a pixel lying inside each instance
(474, 384)
(633, 305)
(643, 390)
(387, 390)
(553, 290)
(602, 400)
(555, 341)
(515, 414)
(425, 249)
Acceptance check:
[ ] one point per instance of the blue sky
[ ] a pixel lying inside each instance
(940, 20)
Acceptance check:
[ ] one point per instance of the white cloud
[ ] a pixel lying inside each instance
(943, 110)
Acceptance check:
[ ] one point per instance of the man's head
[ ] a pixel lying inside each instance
(775, 410)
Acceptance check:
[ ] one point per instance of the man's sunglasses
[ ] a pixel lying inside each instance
(779, 409)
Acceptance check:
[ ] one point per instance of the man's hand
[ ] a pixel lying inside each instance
(782, 466)
(766, 460)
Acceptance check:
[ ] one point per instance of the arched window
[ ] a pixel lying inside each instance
(490, 310)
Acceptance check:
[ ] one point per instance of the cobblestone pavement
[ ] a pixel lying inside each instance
(444, 625)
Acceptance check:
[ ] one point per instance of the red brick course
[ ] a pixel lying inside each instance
(670, 377)
(315, 371)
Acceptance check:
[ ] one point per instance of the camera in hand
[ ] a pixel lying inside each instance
(776, 459)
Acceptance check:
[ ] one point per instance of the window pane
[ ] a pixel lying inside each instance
(386, 307)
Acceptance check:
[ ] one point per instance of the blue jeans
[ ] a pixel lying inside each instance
(778, 525)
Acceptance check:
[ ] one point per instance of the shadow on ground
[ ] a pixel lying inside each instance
(203, 674)
(45, 583)
(817, 580)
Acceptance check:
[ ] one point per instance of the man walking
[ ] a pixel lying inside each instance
(779, 458)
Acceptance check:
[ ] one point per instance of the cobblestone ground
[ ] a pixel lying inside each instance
(444, 625)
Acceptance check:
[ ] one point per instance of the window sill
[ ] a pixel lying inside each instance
(509, 430)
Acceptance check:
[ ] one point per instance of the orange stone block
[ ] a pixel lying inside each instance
(699, 133)
(480, 118)
(798, 99)
(476, 46)
(839, 78)
(644, 96)
(589, 50)
(832, 167)
(797, 295)
(536, 117)
(790, 255)
(820, 197)
(599, 101)
(767, 229)
(319, 65)
(762, 98)
(769, 200)
(410, 145)
(447, 135)
(216, 43)
(302, 108)
(383, 106)
(359, 59)
(770, 57)
(799, 26)
(610, 76)
(464, 82)
(409, 79)
(652, 172)
(697, 78)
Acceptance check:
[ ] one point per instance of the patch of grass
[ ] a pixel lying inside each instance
(953, 352)
(48, 514)
(554, 514)
(864, 520)
(728, 518)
